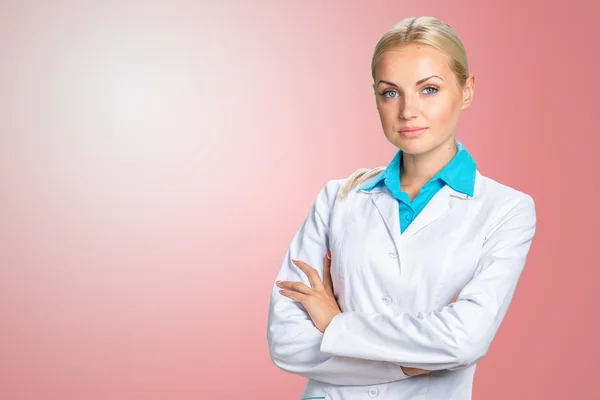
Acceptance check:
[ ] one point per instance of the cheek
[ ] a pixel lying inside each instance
(388, 114)
(442, 114)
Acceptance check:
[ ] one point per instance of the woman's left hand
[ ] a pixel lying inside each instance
(319, 300)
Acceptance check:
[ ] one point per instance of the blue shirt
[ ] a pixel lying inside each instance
(459, 174)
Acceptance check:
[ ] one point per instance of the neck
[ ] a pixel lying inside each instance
(418, 169)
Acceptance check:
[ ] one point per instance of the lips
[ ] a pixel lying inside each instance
(412, 132)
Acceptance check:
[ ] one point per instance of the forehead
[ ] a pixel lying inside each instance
(411, 63)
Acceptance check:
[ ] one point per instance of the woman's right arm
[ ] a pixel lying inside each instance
(294, 341)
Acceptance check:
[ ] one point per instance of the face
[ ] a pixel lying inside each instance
(415, 88)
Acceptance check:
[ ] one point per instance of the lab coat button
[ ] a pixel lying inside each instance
(393, 254)
(373, 392)
(387, 300)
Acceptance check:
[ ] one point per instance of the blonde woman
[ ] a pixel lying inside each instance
(397, 281)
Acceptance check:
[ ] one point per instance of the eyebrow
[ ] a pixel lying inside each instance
(418, 82)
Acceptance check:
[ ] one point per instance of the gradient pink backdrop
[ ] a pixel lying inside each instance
(156, 159)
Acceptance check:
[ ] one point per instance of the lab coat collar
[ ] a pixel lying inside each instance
(440, 204)
(387, 206)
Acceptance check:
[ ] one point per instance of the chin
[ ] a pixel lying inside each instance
(418, 145)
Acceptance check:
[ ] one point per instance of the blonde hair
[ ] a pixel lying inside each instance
(428, 31)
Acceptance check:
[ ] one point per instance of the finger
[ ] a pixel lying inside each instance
(327, 283)
(295, 286)
(414, 371)
(311, 273)
(299, 297)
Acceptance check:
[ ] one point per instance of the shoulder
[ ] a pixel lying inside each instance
(339, 189)
(493, 190)
(504, 201)
(357, 179)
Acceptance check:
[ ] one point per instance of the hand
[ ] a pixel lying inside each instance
(418, 371)
(319, 300)
(414, 371)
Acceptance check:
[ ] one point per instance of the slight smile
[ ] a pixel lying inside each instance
(412, 132)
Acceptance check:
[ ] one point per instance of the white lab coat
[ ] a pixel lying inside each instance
(394, 291)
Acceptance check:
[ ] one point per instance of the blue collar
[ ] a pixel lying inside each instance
(459, 173)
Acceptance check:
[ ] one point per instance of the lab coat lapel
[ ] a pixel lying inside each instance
(387, 206)
(437, 206)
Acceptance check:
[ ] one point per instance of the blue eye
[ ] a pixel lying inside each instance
(386, 94)
(431, 87)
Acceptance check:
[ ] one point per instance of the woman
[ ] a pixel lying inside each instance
(364, 304)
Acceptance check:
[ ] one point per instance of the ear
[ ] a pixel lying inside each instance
(468, 92)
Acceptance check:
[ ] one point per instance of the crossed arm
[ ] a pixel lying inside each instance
(319, 299)
(358, 348)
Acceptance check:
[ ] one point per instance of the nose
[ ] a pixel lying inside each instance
(408, 107)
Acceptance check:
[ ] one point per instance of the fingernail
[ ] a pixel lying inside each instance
(329, 254)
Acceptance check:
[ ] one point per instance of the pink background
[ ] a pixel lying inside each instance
(156, 159)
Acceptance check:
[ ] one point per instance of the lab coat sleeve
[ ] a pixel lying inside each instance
(459, 334)
(294, 341)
